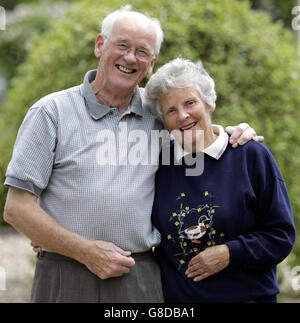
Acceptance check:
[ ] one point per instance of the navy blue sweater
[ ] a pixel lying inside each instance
(240, 200)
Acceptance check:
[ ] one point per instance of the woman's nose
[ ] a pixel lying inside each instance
(182, 115)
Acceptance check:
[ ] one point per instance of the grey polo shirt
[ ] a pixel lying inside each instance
(65, 155)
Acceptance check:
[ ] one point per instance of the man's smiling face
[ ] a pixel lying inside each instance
(122, 71)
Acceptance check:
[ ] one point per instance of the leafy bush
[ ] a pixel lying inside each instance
(252, 60)
(23, 23)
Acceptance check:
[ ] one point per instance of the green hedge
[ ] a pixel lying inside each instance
(252, 60)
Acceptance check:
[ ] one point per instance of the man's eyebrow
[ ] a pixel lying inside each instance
(121, 40)
(126, 40)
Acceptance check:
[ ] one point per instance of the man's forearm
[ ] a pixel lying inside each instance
(26, 216)
(104, 259)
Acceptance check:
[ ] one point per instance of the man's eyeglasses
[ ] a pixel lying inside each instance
(122, 48)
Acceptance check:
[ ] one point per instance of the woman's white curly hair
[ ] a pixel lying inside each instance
(179, 73)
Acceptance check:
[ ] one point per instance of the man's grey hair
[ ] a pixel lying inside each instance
(179, 73)
(109, 20)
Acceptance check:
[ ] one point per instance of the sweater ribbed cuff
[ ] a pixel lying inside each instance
(236, 251)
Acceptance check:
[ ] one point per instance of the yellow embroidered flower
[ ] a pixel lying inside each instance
(206, 193)
(214, 232)
(187, 208)
(222, 234)
(174, 213)
(209, 243)
(212, 211)
(177, 223)
(169, 237)
(182, 261)
(195, 249)
(207, 226)
(199, 210)
(183, 214)
(184, 244)
(182, 194)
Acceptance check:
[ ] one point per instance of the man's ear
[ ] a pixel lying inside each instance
(151, 66)
(98, 46)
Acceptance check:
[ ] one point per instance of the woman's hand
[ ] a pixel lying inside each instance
(208, 262)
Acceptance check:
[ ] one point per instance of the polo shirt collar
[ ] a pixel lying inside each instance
(98, 110)
(215, 150)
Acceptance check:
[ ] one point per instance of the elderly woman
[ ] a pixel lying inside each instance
(224, 231)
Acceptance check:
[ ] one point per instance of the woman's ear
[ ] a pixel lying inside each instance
(98, 46)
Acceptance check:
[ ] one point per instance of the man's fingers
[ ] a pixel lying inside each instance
(244, 126)
(258, 138)
(124, 261)
(105, 259)
(123, 257)
(122, 252)
(112, 270)
(241, 127)
(229, 129)
(235, 133)
(108, 260)
(241, 134)
(246, 136)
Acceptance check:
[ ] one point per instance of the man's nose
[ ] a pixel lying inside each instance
(130, 56)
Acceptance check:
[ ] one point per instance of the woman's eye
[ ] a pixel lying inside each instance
(170, 111)
(190, 102)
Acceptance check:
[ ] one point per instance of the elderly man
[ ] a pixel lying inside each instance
(92, 220)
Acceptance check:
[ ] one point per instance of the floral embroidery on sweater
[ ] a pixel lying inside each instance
(190, 237)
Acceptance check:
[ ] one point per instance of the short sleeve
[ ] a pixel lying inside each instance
(34, 152)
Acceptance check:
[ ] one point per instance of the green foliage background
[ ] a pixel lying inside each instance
(252, 60)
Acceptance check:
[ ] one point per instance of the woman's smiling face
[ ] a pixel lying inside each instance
(185, 111)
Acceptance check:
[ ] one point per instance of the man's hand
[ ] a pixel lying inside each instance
(106, 260)
(208, 262)
(241, 134)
